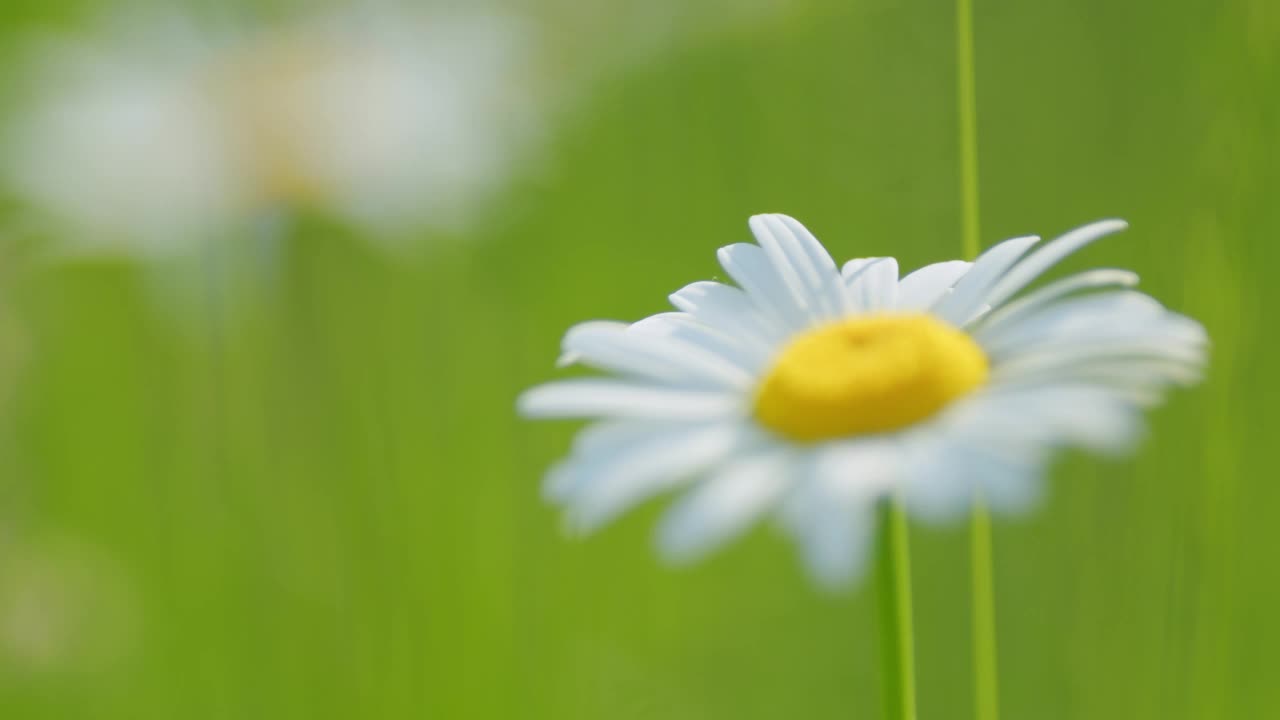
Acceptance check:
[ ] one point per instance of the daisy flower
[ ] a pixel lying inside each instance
(118, 138)
(159, 133)
(810, 392)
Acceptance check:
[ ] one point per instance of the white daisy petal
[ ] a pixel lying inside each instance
(602, 440)
(1150, 346)
(836, 543)
(1091, 280)
(783, 256)
(744, 354)
(1139, 381)
(729, 310)
(593, 397)
(873, 285)
(1144, 375)
(948, 471)
(607, 436)
(724, 505)
(799, 257)
(683, 328)
(1097, 313)
(753, 270)
(857, 471)
(1046, 257)
(1114, 321)
(832, 513)
(611, 484)
(924, 287)
(571, 357)
(661, 357)
(1050, 415)
(969, 295)
(851, 268)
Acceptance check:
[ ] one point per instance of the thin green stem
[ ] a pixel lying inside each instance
(986, 687)
(897, 639)
(968, 111)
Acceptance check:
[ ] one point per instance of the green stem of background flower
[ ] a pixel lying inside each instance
(968, 111)
(897, 638)
(985, 674)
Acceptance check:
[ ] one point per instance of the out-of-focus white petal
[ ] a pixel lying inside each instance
(593, 397)
(569, 357)
(599, 441)
(724, 505)
(610, 484)
(921, 289)
(1110, 322)
(947, 471)
(1142, 379)
(1049, 416)
(836, 542)
(832, 511)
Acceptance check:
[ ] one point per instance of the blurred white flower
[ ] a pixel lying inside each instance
(166, 135)
(814, 392)
(160, 133)
(124, 141)
(387, 119)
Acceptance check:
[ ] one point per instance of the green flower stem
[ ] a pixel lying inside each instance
(897, 639)
(985, 685)
(968, 111)
(985, 674)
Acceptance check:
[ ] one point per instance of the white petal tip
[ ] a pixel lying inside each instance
(1028, 239)
(580, 524)
(677, 554)
(530, 403)
(678, 541)
(1105, 227)
(835, 580)
(557, 486)
(522, 403)
(762, 217)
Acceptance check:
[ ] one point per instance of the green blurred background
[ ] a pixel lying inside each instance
(309, 497)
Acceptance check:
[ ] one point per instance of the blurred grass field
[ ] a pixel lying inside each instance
(311, 497)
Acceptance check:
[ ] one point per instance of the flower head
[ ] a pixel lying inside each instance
(167, 133)
(811, 392)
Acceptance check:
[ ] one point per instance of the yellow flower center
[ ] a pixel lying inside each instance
(867, 374)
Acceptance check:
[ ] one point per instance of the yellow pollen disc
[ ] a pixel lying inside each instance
(867, 374)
